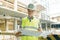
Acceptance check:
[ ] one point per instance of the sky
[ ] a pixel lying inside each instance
(54, 6)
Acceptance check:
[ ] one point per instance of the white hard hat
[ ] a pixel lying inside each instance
(37, 7)
(31, 7)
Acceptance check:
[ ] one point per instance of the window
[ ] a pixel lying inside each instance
(55, 25)
(48, 25)
(43, 26)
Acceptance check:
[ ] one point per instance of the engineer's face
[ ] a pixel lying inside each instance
(31, 12)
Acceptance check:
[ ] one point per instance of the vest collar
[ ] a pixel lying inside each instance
(30, 18)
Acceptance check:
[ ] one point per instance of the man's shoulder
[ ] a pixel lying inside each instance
(24, 18)
(36, 18)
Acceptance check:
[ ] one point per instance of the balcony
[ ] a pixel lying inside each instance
(10, 5)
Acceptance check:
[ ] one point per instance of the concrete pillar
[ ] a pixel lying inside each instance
(6, 24)
(50, 26)
(15, 24)
(15, 5)
(46, 26)
(41, 27)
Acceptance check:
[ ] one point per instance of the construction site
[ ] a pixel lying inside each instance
(14, 25)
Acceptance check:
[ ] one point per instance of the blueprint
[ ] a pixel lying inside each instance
(34, 33)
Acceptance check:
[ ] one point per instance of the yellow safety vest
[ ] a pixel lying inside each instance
(34, 23)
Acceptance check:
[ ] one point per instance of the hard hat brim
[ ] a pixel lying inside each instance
(38, 8)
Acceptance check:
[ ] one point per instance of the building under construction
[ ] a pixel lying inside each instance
(11, 14)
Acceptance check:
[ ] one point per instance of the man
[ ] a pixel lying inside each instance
(30, 21)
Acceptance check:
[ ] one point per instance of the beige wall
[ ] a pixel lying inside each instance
(56, 18)
(2, 27)
(22, 9)
(10, 26)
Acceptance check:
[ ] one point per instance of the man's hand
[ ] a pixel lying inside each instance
(18, 33)
(39, 29)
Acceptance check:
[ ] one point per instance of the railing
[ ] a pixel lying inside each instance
(10, 5)
(7, 4)
(4, 35)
